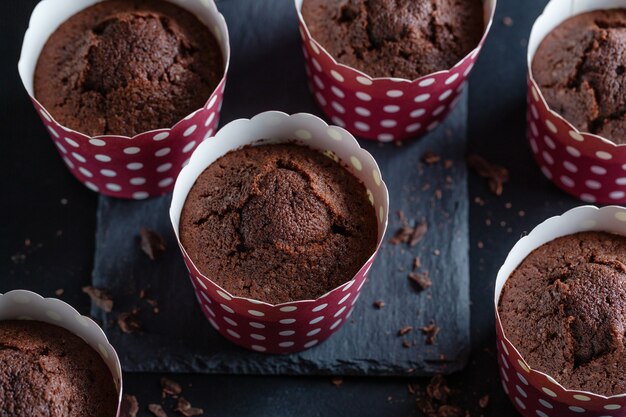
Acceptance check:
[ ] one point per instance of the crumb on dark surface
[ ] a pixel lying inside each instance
(507, 21)
(59, 292)
(422, 280)
(129, 406)
(100, 298)
(496, 175)
(430, 158)
(407, 234)
(430, 331)
(184, 407)
(417, 263)
(170, 387)
(436, 401)
(128, 323)
(483, 402)
(405, 330)
(152, 243)
(406, 344)
(379, 304)
(157, 410)
(337, 381)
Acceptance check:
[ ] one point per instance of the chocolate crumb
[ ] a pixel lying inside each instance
(521, 213)
(438, 194)
(337, 381)
(436, 252)
(417, 263)
(407, 234)
(142, 294)
(405, 330)
(152, 243)
(484, 401)
(157, 410)
(421, 280)
(170, 387)
(430, 158)
(184, 407)
(59, 292)
(480, 244)
(100, 298)
(129, 406)
(431, 331)
(406, 344)
(410, 388)
(447, 164)
(507, 21)
(495, 174)
(379, 304)
(128, 323)
(508, 205)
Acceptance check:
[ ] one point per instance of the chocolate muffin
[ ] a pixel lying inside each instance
(278, 223)
(396, 38)
(47, 371)
(580, 68)
(123, 67)
(564, 309)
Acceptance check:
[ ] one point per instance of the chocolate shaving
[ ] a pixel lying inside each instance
(496, 175)
(128, 323)
(129, 406)
(421, 280)
(430, 158)
(157, 410)
(431, 331)
(379, 304)
(405, 330)
(406, 344)
(100, 298)
(417, 263)
(408, 234)
(170, 387)
(184, 407)
(152, 243)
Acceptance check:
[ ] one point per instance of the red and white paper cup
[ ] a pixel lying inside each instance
(147, 164)
(26, 305)
(534, 393)
(588, 166)
(385, 109)
(297, 325)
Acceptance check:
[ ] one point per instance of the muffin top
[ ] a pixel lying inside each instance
(123, 67)
(278, 223)
(47, 371)
(396, 38)
(564, 309)
(580, 68)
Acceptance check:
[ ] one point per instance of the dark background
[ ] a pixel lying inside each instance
(43, 204)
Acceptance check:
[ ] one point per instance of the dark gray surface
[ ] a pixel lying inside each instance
(267, 73)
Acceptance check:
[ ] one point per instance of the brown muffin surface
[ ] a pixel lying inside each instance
(47, 371)
(278, 223)
(396, 38)
(123, 67)
(564, 309)
(580, 68)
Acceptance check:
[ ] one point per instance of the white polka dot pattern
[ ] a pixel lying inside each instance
(155, 157)
(579, 163)
(382, 109)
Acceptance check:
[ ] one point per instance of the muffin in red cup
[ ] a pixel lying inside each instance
(576, 108)
(389, 70)
(126, 89)
(560, 304)
(279, 219)
(54, 361)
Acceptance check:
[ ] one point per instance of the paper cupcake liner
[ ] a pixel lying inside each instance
(532, 392)
(588, 166)
(298, 325)
(147, 164)
(26, 305)
(385, 109)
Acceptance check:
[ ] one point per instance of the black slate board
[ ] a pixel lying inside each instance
(267, 72)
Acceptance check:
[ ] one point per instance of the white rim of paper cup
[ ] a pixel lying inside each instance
(278, 127)
(48, 15)
(555, 13)
(27, 305)
(489, 10)
(611, 219)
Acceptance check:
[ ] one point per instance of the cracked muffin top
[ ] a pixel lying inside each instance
(580, 68)
(47, 371)
(123, 67)
(564, 309)
(396, 38)
(278, 223)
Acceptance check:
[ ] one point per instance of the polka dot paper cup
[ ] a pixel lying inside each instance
(385, 109)
(585, 165)
(532, 392)
(298, 325)
(26, 305)
(147, 164)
